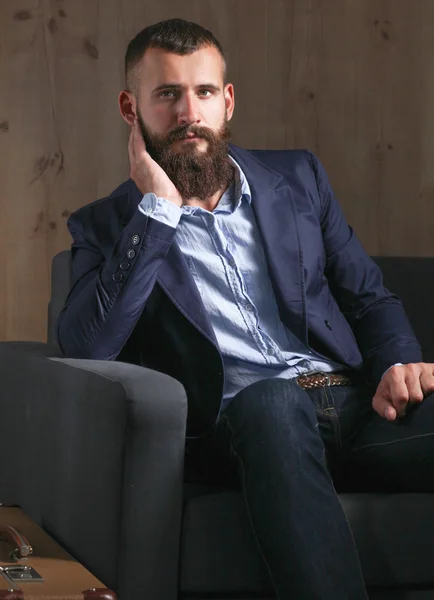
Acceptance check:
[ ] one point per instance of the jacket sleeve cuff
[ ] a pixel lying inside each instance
(402, 354)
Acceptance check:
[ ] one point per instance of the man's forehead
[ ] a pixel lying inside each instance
(159, 66)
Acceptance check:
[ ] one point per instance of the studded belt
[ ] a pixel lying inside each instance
(311, 381)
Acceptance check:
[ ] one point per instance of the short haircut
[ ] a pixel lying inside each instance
(174, 35)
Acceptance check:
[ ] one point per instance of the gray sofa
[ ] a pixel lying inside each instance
(69, 430)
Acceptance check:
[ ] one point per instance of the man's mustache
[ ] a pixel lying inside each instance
(181, 133)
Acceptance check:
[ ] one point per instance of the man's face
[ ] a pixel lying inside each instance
(183, 108)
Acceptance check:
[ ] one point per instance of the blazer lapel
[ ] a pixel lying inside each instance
(273, 206)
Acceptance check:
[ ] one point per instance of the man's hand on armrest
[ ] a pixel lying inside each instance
(401, 387)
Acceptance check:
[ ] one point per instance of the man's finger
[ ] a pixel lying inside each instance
(139, 142)
(427, 383)
(384, 407)
(415, 392)
(131, 152)
(399, 394)
(390, 413)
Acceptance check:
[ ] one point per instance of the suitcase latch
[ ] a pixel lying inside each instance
(21, 573)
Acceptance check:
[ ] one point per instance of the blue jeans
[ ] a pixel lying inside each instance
(291, 444)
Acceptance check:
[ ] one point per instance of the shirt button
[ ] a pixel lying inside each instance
(249, 307)
(131, 253)
(271, 352)
(135, 240)
(117, 277)
(124, 266)
(232, 262)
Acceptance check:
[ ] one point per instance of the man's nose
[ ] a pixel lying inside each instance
(188, 113)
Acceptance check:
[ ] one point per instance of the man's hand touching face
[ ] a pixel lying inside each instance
(402, 387)
(145, 172)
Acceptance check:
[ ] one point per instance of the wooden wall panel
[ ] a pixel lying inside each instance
(351, 80)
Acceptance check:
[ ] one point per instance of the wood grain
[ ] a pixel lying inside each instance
(351, 80)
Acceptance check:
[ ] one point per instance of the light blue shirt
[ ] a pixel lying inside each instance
(224, 253)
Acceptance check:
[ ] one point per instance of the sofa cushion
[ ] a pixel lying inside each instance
(394, 535)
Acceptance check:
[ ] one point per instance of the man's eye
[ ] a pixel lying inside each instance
(205, 93)
(167, 94)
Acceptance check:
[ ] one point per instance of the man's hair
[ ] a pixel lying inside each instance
(174, 35)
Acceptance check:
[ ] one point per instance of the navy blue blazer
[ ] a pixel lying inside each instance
(133, 297)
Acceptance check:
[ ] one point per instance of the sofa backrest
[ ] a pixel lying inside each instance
(412, 279)
(61, 276)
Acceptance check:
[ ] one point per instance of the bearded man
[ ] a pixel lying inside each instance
(236, 273)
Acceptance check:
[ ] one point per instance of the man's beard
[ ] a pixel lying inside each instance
(195, 173)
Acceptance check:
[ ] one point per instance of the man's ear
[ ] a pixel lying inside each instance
(229, 95)
(128, 106)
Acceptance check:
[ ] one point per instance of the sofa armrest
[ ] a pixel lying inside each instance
(94, 451)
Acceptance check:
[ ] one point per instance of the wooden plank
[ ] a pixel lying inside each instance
(27, 145)
(407, 75)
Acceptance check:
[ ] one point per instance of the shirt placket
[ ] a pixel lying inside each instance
(244, 303)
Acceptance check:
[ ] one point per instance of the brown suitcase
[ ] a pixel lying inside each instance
(34, 567)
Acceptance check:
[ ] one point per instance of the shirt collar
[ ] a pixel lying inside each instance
(235, 193)
(242, 188)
